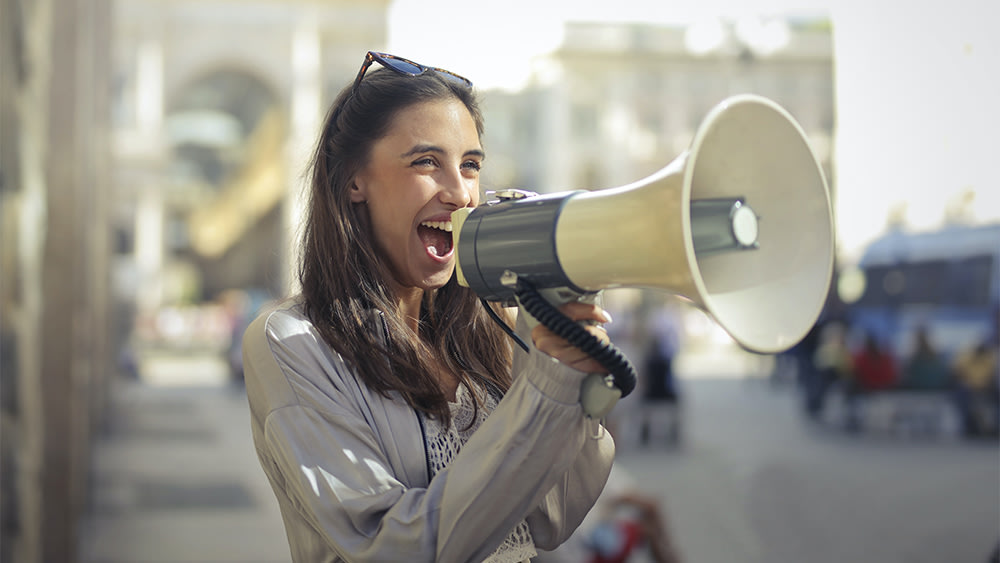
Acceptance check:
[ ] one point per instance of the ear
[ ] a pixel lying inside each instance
(359, 193)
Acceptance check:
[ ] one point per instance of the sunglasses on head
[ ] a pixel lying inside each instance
(407, 68)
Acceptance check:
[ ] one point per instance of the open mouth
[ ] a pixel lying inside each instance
(436, 236)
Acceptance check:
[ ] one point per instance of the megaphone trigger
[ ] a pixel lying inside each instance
(598, 395)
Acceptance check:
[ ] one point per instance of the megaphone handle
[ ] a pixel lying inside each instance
(622, 371)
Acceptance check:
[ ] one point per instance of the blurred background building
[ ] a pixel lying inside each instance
(616, 102)
(151, 165)
(56, 344)
(150, 155)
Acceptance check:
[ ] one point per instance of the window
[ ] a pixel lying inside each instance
(963, 282)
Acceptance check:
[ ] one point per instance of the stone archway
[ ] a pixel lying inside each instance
(226, 131)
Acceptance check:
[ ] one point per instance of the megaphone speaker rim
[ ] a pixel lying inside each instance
(722, 312)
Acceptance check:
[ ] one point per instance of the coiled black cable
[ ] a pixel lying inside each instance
(622, 370)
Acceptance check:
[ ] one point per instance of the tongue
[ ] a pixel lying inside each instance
(438, 242)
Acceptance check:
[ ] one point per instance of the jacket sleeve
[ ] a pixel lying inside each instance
(331, 471)
(567, 503)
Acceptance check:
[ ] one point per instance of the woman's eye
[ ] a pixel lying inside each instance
(472, 165)
(428, 161)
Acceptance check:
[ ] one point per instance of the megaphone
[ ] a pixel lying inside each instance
(740, 225)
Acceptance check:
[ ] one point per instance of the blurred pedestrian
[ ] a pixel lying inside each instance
(641, 524)
(977, 387)
(660, 391)
(925, 369)
(390, 412)
(831, 365)
(872, 369)
(235, 304)
(624, 525)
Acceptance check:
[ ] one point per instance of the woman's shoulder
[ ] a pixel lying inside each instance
(282, 321)
(277, 324)
(288, 334)
(286, 360)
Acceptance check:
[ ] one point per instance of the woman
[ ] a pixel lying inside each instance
(370, 391)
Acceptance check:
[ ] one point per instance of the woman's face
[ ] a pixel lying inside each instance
(426, 167)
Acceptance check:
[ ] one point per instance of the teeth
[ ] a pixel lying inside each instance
(442, 225)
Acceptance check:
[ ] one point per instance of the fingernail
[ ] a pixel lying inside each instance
(607, 316)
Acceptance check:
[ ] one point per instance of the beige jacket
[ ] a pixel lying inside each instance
(349, 469)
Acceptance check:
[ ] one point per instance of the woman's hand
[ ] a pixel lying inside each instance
(548, 342)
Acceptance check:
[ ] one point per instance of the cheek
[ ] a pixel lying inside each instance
(384, 222)
(475, 193)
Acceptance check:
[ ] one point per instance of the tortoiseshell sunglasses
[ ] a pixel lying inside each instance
(406, 67)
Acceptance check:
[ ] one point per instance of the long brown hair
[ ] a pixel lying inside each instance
(344, 279)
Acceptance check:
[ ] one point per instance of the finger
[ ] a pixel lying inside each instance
(578, 361)
(559, 348)
(578, 311)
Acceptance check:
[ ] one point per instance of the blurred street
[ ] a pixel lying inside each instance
(176, 480)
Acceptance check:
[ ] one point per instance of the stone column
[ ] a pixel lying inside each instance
(306, 114)
(55, 266)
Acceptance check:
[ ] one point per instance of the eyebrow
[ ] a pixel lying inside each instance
(434, 148)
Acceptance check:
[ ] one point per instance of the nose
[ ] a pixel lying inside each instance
(457, 190)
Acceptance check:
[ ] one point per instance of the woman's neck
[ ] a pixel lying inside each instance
(408, 301)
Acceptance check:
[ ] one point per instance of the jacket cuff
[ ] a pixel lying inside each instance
(554, 379)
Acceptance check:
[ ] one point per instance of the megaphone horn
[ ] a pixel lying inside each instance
(740, 225)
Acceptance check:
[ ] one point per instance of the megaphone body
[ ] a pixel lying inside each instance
(740, 225)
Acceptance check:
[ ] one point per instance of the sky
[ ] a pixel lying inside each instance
(493, 42)
(917, 94)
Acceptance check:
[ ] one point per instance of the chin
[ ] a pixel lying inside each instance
(439, 280)
(436, 283)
